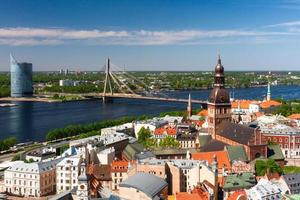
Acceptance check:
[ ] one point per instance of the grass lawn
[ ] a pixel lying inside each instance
(291, 169)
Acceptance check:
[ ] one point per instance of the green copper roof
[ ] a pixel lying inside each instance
(132, 149)
(274, 152)
(204, 139)
(239, 181)
(236, 153)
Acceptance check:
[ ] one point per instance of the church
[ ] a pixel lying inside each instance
(220, 126)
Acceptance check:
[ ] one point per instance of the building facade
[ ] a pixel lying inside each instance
(67, 173)
(21, 78)
(31, 179)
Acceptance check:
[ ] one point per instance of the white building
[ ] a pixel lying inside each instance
(264, 190)
(31, 179)
(68, 83)
(254, 107)
(106, 156)
(119, 128)
(67, 172)
(151, 124)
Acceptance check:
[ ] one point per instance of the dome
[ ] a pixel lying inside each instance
(219, 95)
(219, 69)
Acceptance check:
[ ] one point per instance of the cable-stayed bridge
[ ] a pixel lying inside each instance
(121, 84)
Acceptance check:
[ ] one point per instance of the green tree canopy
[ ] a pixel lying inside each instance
(169, 142)
(143, 135)
(263, 167)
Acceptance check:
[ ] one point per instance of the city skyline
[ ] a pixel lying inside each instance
(151, 35)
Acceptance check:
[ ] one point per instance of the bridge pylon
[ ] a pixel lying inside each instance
(107, 83)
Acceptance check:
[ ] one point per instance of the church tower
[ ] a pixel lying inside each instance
(219, 105)
(83, 190)
(189, 107)
(269, 92)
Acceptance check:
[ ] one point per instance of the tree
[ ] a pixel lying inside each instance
(143, 135)
(268, 166)
(150, 143)
(169, 142)
(7, 143)
(16, 157)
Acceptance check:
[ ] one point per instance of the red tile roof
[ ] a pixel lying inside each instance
(244, 104)
(196, 194)
(268, 104)
(238, 195)
(203, 113)
(295, 116)
(162, 130)
(222, 158)
(119, 166)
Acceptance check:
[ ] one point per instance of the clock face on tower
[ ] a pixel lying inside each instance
(82, 187)
(222, 99)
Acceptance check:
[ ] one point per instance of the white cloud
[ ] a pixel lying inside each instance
(286, 24)
(55, 36)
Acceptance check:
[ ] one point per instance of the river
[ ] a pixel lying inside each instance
(30, 121)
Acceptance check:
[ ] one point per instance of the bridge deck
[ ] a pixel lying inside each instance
(132, 96)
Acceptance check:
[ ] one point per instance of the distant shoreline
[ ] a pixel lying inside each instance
(30, 99)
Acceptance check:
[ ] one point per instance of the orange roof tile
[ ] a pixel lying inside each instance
(258, 114)
(203, 113)
(244, 104)
(162, 130)
(198, 122)
(196, 194)
(268, 104)
(171, 197)
(120, 166)
(294, 116)
(238, 195)
(159, 131)
(222, 158)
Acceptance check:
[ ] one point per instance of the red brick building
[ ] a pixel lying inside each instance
(220, 126)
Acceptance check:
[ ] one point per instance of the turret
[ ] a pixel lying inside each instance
(269, 92)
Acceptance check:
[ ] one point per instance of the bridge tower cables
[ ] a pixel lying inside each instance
(107, 82)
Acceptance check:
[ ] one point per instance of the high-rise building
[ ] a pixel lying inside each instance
(20, 78)
(219, 105)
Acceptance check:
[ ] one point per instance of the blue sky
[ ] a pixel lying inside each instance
(151, 34)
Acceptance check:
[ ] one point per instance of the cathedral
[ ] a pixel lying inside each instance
(220, 126)
(219, 105)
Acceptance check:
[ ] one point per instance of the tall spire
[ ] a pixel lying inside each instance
(269, 92)
(219, 58)
(189, 107)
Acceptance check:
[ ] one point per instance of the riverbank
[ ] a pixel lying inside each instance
(29, 99)
(39, 99)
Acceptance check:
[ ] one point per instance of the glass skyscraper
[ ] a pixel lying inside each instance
(20, 78)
